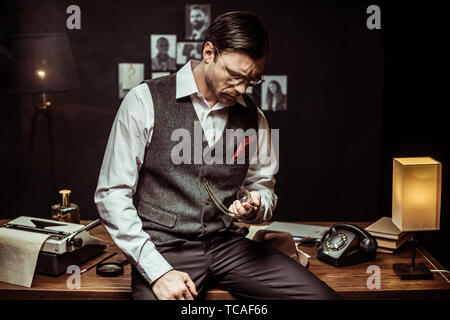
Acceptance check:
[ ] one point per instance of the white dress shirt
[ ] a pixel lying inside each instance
(130, 136)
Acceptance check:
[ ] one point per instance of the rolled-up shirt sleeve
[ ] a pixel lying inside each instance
(262, 169)
(123, 158)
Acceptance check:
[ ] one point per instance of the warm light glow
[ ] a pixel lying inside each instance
(41, 74)
(416, 193)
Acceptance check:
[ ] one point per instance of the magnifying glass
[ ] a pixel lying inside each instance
(111, 269)
(244, 196)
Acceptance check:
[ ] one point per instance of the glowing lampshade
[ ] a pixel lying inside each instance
(416, 193)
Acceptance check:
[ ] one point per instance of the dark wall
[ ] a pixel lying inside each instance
(329, 137)
(348, 90)
(416, 102)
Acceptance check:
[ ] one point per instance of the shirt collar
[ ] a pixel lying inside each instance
(186, 85)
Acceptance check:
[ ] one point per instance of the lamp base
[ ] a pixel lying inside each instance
(406, 272)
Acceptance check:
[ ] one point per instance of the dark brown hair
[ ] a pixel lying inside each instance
(239, 31)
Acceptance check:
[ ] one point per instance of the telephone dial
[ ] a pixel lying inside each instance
(346, 244)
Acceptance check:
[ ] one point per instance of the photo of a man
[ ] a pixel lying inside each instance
(187, 51)
(197, 20)
(130, 75)
(163, 52)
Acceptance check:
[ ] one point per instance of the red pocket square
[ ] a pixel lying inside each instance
(243, 145)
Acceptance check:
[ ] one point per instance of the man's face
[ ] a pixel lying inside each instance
(236, 64)
(198, 18)
(163, 46)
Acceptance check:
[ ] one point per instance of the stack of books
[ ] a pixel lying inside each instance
(388, 236)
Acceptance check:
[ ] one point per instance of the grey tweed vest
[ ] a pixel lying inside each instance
(170, 198)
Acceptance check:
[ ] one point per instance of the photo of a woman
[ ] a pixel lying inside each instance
(274, 97)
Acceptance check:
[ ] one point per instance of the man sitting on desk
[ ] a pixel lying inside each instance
(160, 213)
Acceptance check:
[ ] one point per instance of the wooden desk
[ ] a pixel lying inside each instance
(350, 281)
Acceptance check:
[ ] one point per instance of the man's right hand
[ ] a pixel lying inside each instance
(174, 285)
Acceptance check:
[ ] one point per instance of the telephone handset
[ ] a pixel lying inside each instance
(345, 244)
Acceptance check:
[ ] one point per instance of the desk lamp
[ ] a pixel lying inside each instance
(416, 205)
(41, 64)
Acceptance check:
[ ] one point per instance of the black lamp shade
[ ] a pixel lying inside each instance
(41, 63)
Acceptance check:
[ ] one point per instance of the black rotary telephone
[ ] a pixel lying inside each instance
(346, 244)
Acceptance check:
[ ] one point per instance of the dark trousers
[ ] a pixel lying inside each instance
(246, 268)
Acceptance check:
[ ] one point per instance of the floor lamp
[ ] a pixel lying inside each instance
(41, 64)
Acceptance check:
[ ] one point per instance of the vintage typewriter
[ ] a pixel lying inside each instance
(68, 244)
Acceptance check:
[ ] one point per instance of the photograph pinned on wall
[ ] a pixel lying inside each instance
(274, 93)
(197, 18)
(159, 74)
(188, 50)
(130, 75)
(163, 52)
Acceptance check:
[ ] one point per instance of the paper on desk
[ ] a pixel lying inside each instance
(252, 230)
(19, 252)
(302, 256)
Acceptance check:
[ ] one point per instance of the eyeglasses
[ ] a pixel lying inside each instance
(236, 80)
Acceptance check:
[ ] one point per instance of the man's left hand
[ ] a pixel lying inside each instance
(244, 212)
